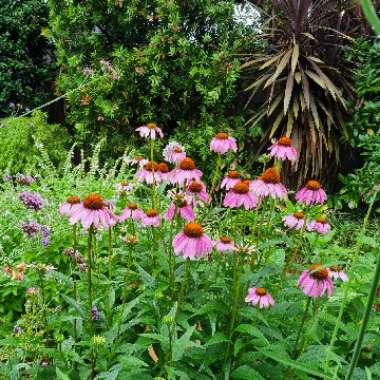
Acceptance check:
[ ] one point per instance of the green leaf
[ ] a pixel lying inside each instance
(246, 373)
(182, 343)
(293, 364)
(253, 331)
(61, 375)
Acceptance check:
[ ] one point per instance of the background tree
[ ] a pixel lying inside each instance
(26, 56)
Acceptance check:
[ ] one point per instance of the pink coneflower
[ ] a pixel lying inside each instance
(94, 211)
(319, 225)
(174, 152)
(294, 221)
(163, 171)
(131, 211)
(151, 218)
(148, 173)
(224, 244)
(230, 180)
(283, 149)
(269, 184)
(260, 297)
(185, 172)
(150, 130)
(138, 160)
(241, 195)
(311, 193)
(71, 204)
(192, 242)
(316, 281)
(181, 208)
(222, 143)
(196, 190)
(124, 187)
(336, 273)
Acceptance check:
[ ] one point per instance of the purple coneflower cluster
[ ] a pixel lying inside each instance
(150, 131)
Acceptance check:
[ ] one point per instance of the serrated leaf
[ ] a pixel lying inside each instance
(182, 343)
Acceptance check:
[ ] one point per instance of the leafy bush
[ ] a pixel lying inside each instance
(168, 62)
(358, 186)
(26, 68)
(27, 141)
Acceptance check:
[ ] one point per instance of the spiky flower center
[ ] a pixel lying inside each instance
(233, 174)
(178, 150)
(193, 230)
(285, 141)
(151, 213)
(313, 185)
(195, 187)
(124, 183)
(182, 203)
(187, 164)
(152, 125)
(222, 136)
(94, 201)
(151, 166)
(261, 292)
(319, 274)
(241, 187)
(73, 200)
(138, 158)
(162, 167)
(225, 239)
(321, 219)
(132, 206)
(299, 214)
(271, 175)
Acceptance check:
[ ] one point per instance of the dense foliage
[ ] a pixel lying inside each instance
(365, 126)
(24, 140)
(26, 58)
(168, 61)
(84, 301)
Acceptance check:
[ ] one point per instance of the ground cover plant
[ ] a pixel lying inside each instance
(147, 269)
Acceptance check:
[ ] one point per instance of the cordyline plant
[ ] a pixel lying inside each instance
(303, 81)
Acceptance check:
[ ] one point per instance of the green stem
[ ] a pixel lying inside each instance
(110, 253)
(154, 182)
(216, 176)
(370, 14)
(303, 320)
(235, 301)
(171, 261)
(89, 275)
(183, 291)
(363, 327)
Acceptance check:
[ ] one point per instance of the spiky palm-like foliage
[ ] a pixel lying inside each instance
(303, 81)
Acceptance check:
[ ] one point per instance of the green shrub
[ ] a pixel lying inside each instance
(365, 126)
(26, 68)
(27, 141)
(138, 61)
